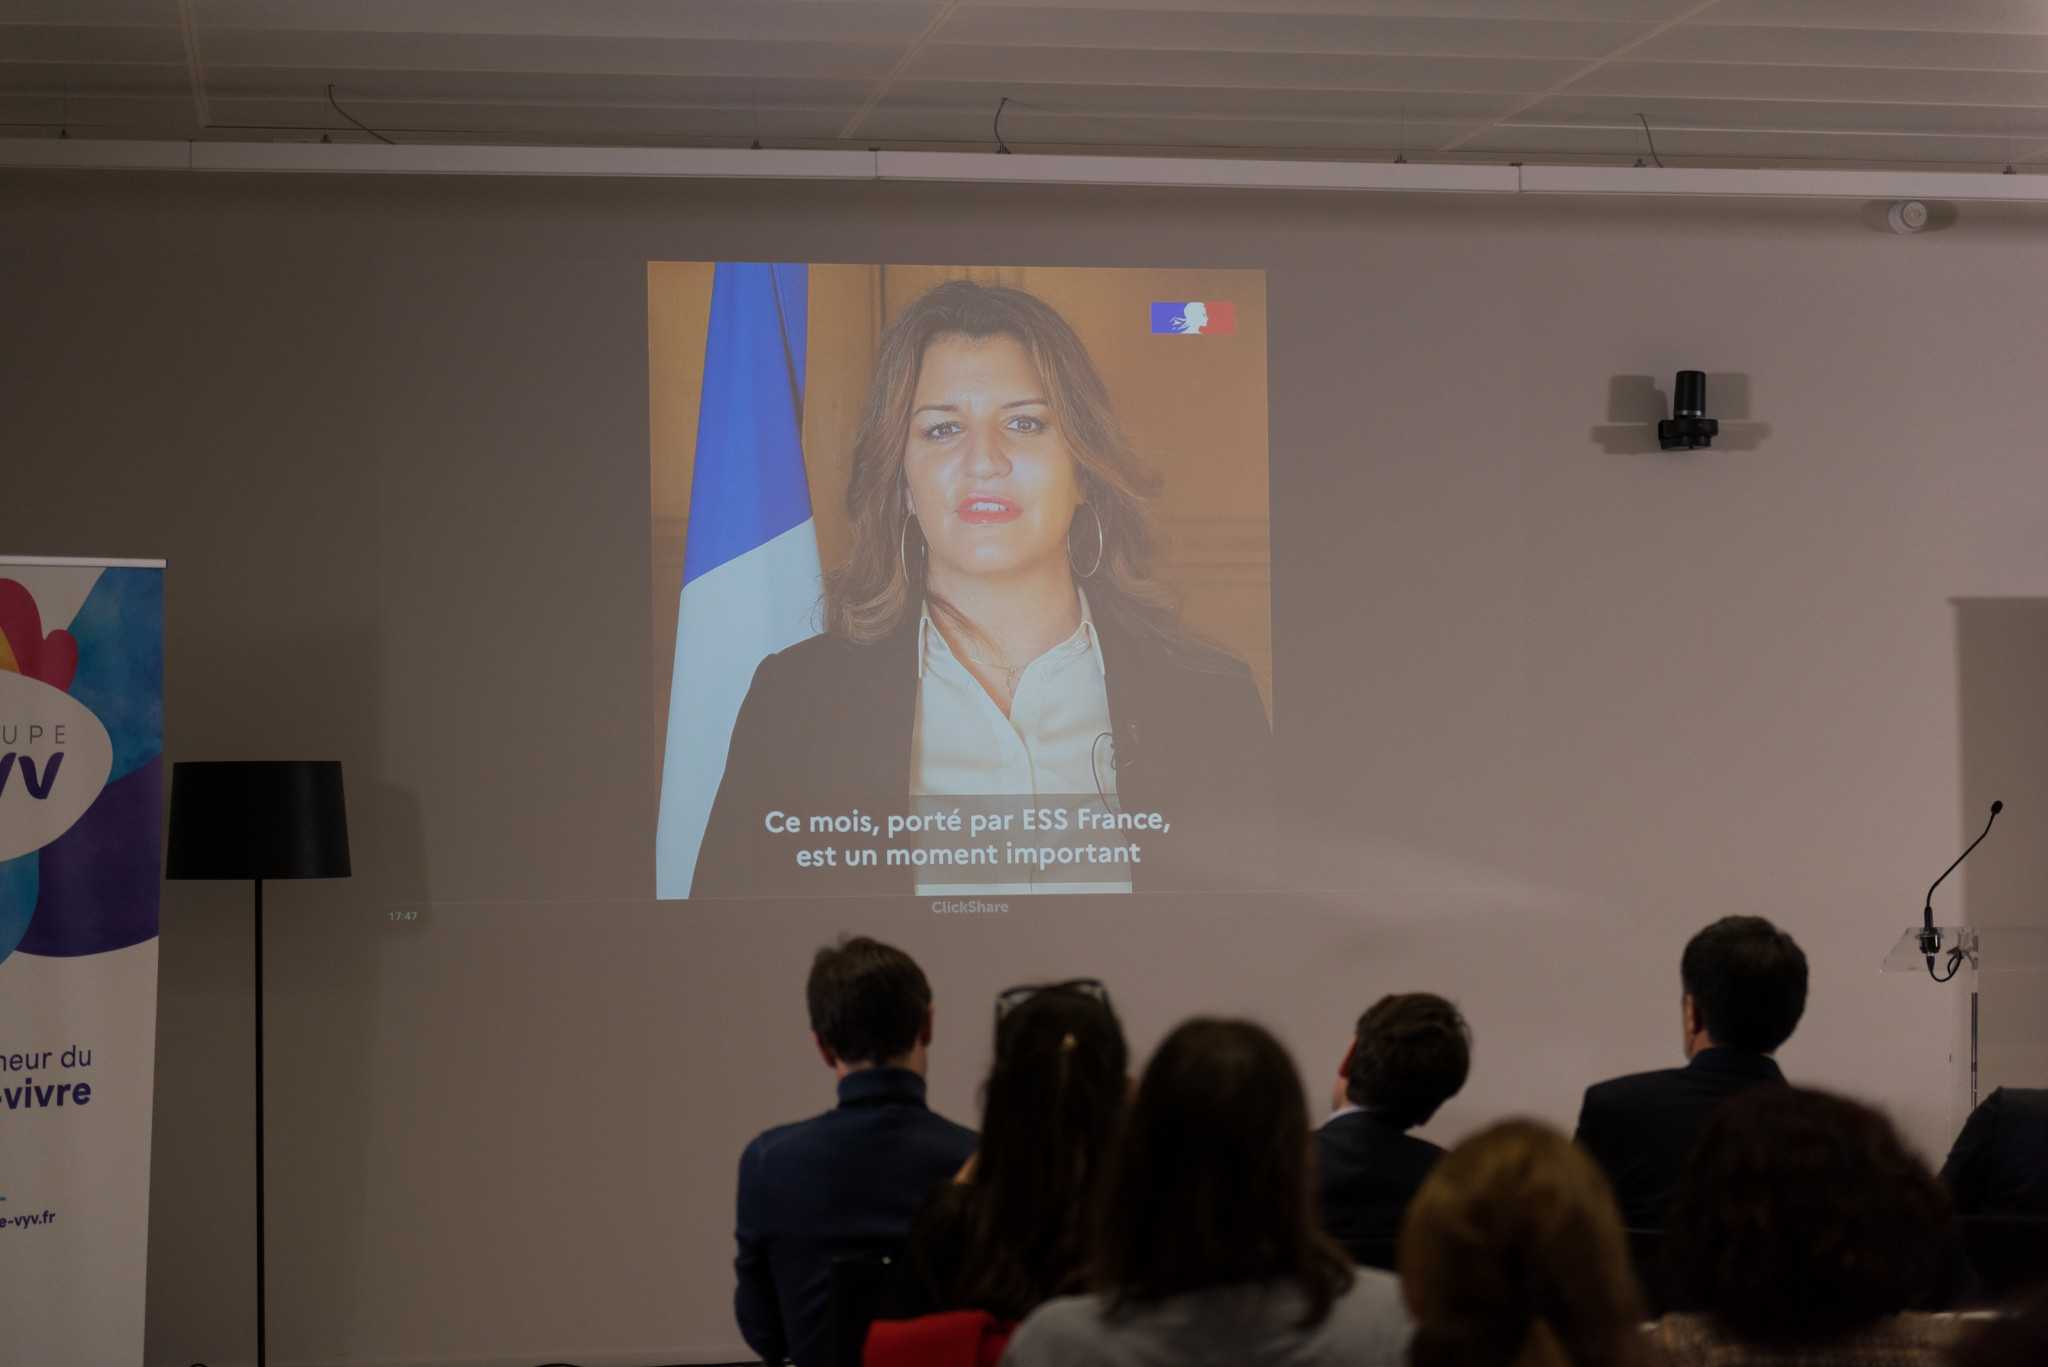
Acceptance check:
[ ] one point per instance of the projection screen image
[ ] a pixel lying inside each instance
(961, 581)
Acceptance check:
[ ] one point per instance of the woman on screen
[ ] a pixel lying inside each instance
(994, 630)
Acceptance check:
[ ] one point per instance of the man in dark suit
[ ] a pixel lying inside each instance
(1410, 1053)
(1744, 984)
(1997, 1171)
(846, 1183)
(1999, 1163)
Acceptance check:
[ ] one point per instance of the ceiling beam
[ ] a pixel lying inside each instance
(718, 163)
(1540, 96)
(195, 66)
(910, 55)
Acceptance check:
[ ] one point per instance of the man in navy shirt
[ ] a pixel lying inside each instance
(846, 1183)
(1409, 1054)
(1744, 986)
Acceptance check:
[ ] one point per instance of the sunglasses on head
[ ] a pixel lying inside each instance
(1009, 999)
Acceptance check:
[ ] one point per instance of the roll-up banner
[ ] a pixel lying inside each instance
(81, 801)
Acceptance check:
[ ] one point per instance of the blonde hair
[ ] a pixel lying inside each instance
(882, 577)
(1512, 1255)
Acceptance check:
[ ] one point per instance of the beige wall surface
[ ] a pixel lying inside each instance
(1548, 701)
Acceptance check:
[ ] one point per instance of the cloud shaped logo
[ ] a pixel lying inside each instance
(24, 649)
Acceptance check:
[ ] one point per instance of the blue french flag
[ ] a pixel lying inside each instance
(750, 556)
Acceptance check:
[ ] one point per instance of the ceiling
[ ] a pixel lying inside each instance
(1899, 83)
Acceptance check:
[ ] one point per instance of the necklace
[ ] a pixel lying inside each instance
(1011, 677)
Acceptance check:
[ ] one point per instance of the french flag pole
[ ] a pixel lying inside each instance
(751, 579)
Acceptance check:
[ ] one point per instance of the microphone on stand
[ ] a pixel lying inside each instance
(1930, 938)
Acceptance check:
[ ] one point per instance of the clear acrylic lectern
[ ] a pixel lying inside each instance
(1961, 952)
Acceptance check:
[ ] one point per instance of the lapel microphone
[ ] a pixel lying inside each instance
(1930, 938)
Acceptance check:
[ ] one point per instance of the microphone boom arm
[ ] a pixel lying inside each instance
(1930, 941)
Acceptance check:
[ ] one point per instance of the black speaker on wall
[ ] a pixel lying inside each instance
(1688, 428)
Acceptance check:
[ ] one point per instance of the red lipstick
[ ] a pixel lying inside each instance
(982, 509)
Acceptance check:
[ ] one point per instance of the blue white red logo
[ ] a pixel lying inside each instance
(1212, 319)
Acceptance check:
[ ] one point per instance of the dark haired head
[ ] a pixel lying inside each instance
(1209, 1183)
(1410, 1054)
(1512, 1254)
(1801, 1217)
(1051, 1105)
(868, 1000)
(1747, 979)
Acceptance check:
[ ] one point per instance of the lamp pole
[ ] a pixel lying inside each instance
(258, 819)
(262, 1335)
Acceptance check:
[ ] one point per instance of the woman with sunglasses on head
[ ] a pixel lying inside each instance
(996, 630)
(1210, 1253)
(1016, 1226)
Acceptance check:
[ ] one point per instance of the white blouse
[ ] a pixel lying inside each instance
(1055, 741)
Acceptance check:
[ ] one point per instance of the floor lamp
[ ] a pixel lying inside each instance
(258, 819)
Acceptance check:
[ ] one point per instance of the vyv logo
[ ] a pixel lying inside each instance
(35, 808)
(36, 790)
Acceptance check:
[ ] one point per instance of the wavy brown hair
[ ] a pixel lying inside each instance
(868, 592)
(1512, 1255)
(1210, 1184)
(1801, 1217)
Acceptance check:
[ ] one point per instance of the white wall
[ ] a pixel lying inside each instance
(1547, 707)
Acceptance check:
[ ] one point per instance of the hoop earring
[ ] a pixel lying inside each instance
(902, 547)
(1088, 573)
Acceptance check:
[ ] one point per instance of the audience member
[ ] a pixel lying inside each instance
(1999, 1163)
(1805, 1229)
(1744, 986)
(846, 1183)
(1409, 1055)
(1015, 1228)
(1209, 1250)
(1513, 1256)
(1997, 1170)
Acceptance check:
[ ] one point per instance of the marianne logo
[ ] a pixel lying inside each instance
(54, 760)
(1212, 319)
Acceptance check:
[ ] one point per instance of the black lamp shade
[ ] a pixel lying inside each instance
(258, 819)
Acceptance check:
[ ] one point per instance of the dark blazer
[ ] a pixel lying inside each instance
(1641, 1127)
(826, 725)
(843, 1184)
(1368, 1170)
(1999, 1163)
